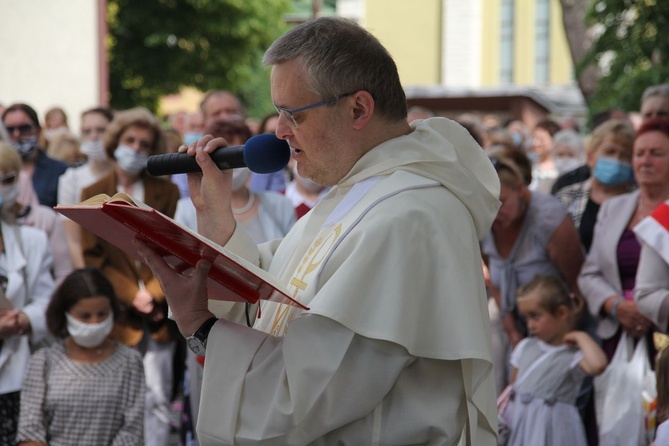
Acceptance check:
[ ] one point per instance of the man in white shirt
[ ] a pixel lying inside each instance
(395, 346)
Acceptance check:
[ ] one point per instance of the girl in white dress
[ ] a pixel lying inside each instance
(548, 367)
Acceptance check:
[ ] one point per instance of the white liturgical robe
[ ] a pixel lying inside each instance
(395, 346)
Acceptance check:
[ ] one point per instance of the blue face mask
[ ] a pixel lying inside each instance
(611, 172)
(192, 137)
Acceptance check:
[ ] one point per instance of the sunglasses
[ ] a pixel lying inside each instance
(23, 129)
(507, 165)
(8, 178)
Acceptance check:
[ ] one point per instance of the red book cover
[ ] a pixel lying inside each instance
(119, 219)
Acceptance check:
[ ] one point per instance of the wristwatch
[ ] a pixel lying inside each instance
(197, 342)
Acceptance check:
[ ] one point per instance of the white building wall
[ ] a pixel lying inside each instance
(352, 9)
(462, 43)
(49, 55)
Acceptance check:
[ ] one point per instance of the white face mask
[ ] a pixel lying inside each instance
(129, 160)
(50, 133)
(94, 150)
(239, 177)
(89, 335)
(564, 165)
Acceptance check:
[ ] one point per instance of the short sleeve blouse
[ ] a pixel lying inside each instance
(529, 255)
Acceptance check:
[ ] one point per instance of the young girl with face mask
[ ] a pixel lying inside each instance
(87, 388)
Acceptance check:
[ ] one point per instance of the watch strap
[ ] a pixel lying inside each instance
(203, 332)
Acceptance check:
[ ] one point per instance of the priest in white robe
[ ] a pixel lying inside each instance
(395, 347)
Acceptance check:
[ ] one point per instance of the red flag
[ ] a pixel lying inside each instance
(654, 230)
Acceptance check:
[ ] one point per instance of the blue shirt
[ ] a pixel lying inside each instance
(45, 178)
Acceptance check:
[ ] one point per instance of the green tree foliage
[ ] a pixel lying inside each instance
(158, 46)
(632, 47)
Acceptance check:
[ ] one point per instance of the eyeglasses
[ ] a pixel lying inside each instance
(23, 129)
(8, 178)
(289, 115)
(88, 131)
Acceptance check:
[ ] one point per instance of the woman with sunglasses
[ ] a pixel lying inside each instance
(26, 286)
(24, 130)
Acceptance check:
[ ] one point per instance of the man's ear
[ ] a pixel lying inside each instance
(363, 109)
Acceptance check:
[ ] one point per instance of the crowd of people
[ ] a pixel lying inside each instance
(45, 255)
(445, 263)
(584, 233)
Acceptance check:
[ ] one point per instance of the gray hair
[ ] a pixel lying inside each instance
(222, 93)
(655, 90)
(569, 138)
(339, 57)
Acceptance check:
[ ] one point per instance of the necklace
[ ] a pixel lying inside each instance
(247, 207)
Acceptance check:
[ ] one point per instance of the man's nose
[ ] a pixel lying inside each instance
(283, 128)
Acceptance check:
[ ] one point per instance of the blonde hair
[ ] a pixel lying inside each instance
(64, 147)
(134, 117)
(10, 160)
(52, 113)
(621, 131)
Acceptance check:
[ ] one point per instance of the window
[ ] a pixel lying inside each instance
(506, 42)
(542, 39)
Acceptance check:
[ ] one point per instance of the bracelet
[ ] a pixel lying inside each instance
(614, 307)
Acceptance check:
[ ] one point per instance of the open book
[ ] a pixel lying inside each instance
(120, 218)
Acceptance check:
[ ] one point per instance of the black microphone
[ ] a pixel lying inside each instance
(262, 154)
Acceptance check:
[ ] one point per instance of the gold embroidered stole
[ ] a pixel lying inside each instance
(303, 283)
